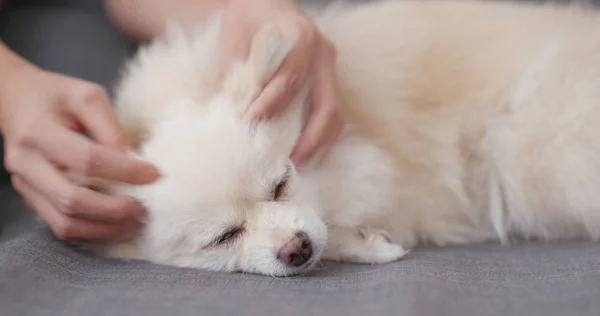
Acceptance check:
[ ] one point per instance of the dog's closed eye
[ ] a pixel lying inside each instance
(230, 235)
(279, 189)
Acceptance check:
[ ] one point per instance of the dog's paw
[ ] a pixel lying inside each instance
(362, 245)
(378, 247)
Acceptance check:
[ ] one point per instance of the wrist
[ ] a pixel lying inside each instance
(11, 65)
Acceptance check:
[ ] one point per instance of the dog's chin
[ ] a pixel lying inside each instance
(277, 269)
(305, 268)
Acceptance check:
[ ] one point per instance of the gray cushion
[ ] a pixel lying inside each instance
(42, 276)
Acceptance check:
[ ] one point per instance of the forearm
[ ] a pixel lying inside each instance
(10, 63)
(144, 19)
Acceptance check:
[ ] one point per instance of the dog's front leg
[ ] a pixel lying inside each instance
(362, 245)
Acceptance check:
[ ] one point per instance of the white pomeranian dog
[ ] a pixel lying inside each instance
(467, 122)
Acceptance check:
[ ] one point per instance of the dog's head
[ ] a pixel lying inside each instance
(229, 197)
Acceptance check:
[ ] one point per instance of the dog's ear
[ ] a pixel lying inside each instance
(268, 50)
(248, 78)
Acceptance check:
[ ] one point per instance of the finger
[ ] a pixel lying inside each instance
(79, 153)
(70, 228)
(278, 93)
(328, 144)
(91, 106)
(324, 123)
(72, 200)
(291, 76)
(316, 133)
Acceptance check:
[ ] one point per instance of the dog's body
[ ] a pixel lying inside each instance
(467, 121)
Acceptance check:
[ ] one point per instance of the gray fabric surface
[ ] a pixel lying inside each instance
(42, 276)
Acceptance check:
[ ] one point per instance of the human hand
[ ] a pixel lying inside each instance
(41, 114)
(311, 56)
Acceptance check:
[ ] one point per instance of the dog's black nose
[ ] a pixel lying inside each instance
(296, 251)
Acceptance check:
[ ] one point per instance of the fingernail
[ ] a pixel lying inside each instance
(252, 116)
(149, 172)
(138, 209)
(297, 160)
(254, 119)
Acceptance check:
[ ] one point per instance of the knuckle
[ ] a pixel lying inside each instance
(97, 91)
(10, 162)
(292, 83)
(87, 93)
(92, 89)
(91, 162)
(13, 160)
(330, 112)
(336, 113)
(65, 229)
(26, 136)
(307, 28)
(69, 202)
(16, 183)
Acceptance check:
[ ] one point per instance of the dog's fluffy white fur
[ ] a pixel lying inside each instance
(467, 121)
